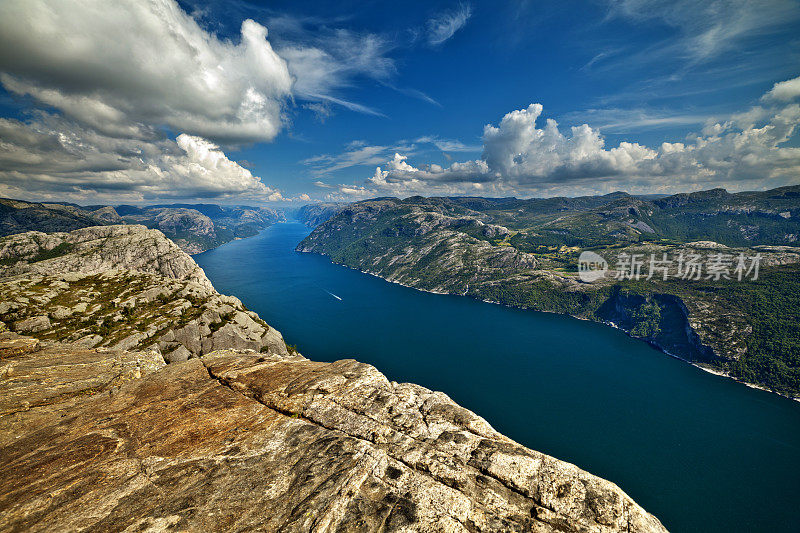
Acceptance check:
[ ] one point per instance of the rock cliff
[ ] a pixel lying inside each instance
(96, 249)
(238, 432)
(199, 227)
(236, 440)
(194, 227)
(525, 253)
(125, 287)
(312, 215)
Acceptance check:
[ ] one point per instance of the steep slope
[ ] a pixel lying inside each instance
(97, 249)
(238, 432)
(199, 227)
(17, 216)
(312, 215)
(194, 227)
(125, 287)
(244, 441)
(524, 253)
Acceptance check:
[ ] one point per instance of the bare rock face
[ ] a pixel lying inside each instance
(235, 433)
(123, 287)
(17, 216)
(97, 249)
(238, 440)
(187, 220)
(420, 245)
(130, 310)
(107, 214)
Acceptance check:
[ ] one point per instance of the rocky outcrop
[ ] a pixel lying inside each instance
(200, 227)
(416, 246)
(98, 249)
(237, 440)
(184, 220)
(238, 432)
(106, 214)
(124, 287)
(194, 227)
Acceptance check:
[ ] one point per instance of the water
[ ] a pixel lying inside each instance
(701, 452)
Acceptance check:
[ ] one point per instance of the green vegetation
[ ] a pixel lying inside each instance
(647, 320)
(750, 329)
(772, 305)
(62, 249)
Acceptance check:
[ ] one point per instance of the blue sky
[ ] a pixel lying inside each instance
(216, 110)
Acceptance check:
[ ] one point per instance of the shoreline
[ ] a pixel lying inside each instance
(710, 370)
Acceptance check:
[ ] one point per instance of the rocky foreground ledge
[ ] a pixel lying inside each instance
(104, 438)
(124, 287)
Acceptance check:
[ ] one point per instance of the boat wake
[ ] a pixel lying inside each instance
(329, 292)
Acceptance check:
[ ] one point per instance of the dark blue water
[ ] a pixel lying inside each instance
(701, 452)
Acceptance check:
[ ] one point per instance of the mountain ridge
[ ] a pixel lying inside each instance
(194, 227)
(524, 253)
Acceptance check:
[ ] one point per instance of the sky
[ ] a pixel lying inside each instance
(287, 103)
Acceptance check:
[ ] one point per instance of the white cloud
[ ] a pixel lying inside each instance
(359, 153)
(127, 66)
(356, 154)
(119, 73)
(620, 120)
(519, 157)
(447, 145)
(51, 158)
(324, 61)
(711, 28)
(444, 25)
(784, 91)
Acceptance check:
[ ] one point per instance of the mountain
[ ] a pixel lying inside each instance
(312, 215)
(194, 227)
(136, 397)
(200, 227)
(525, 253)
(17, 216)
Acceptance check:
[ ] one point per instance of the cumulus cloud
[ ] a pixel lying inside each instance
(520, 156)
(118, 74)
(128, 66)
(56, 159)
(784, 91)
(444, 25)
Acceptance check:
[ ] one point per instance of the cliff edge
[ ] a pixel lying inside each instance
(106, 436)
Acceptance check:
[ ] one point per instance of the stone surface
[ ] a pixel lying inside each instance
(138, 290)
(33, 324)
(17, 216)
(196, 228)
(98, 249)
(239, 441)
(236, 433)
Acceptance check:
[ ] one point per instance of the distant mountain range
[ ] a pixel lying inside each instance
(312, 215)
(194, 227)
(525, 253)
